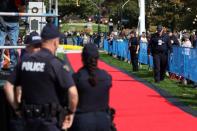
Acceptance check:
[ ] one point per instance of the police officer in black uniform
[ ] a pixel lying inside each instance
(134, 48)
(44, 80)
(33, 44)
(159, 47)
(93, 85)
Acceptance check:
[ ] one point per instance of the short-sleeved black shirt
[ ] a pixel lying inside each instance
(159, 44)
(10, 6)
(92, 98)
(133, 41)
(42, 77)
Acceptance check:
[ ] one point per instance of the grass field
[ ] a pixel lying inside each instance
(186, 94)
(82, 26)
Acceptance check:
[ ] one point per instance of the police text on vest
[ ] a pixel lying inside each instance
(33, 66)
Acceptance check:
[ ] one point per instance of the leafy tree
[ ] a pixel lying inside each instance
(107, 8)
(175, 14)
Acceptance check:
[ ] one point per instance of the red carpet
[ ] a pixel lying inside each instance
(140, 108)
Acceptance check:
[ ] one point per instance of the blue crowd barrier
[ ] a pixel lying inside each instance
(183, 61)
(105, 45)
(120, 48)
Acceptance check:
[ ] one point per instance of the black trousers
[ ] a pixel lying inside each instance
(134, 58)
(160, 61)
(92, 121)
(17, 124)
(34, 124)
(41, 125)
(5, 111)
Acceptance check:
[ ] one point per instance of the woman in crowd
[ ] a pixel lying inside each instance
(186, 42)
(143, 38)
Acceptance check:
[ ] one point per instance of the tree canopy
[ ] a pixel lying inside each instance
(175, 14)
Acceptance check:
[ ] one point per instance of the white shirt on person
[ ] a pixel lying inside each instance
(187, 43)
(143, 40)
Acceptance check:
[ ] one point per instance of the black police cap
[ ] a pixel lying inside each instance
(33, 38)
(50, 31)
(90, 50)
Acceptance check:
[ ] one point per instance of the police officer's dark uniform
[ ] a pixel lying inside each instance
(33, 40)
(43, 80)
(134, 47)
(160, 47)
(91, 114)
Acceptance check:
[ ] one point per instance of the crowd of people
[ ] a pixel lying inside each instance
(82, 38)
(182, 38)
(159, 46)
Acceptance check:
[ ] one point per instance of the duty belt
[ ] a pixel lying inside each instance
(40, 111)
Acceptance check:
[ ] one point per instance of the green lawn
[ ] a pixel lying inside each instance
(186, 94)
(82, 26)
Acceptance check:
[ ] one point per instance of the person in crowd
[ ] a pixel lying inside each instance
(44, 81)
(85, 39)
(134, 48)
(65, 38)
(20, 41)
(93, 85)
(9, 25)
(143, 38)
(5, 54)
(173, 39)
(78, 37)
(97, 40)
(91, 37)
(148, 36)
(110, 44)
(159, 47)
(186, 42)
(195, 40)
(192, 37)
